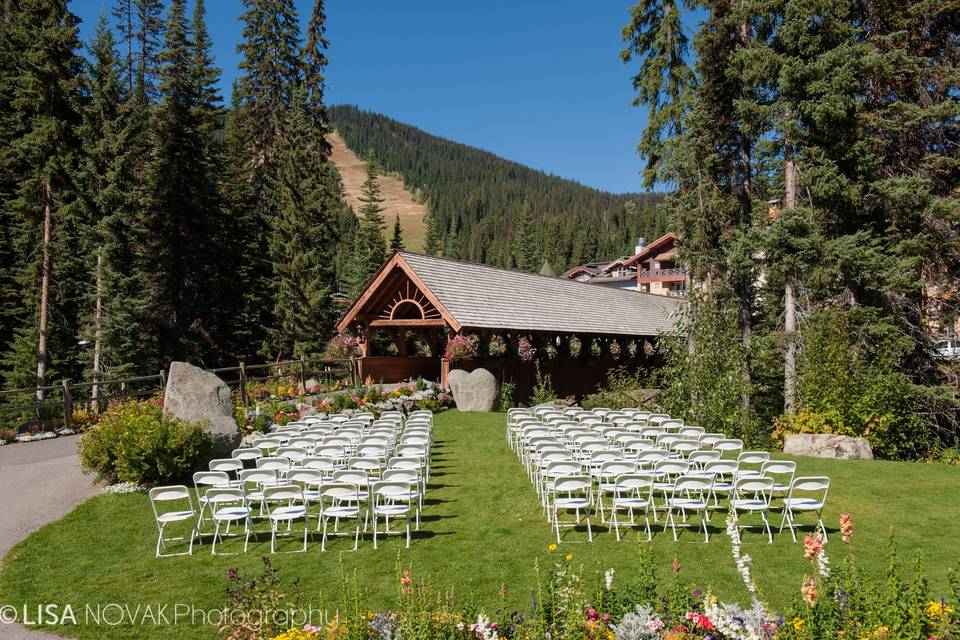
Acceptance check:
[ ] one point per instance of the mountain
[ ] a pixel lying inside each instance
(396, 199)
(488, 209)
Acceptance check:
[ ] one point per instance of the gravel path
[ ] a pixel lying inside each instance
(39, 482)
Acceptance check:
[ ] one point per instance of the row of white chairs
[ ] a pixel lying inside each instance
(394, 497)
(683, 468)
(388, 483)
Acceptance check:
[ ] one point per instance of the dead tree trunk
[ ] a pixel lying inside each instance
(44, 290)
(789, 294)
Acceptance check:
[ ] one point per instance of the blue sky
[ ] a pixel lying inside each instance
(536, 81)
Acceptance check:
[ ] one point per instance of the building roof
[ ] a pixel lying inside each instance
(471, 295)
(667, 240)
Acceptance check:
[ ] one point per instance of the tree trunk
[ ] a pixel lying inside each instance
(97, 336)
(44, 290)
(789, 297)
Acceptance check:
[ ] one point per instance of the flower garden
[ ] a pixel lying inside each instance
(483, 566)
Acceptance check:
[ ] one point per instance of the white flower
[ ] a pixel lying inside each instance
(608, 578)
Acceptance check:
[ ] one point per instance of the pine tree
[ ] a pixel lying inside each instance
(396, 242)
(303, 241)
(663, 84)
(181, 217)
(433, 242)
(314, 57)
(114, 311)
(140, 23)
(525, 250)
(271, 71)
(370, 249)
(42, 93)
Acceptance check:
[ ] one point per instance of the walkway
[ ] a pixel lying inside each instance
(39, 482)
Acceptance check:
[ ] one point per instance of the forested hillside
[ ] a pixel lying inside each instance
(489, 209)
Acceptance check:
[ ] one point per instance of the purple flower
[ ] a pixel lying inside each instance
(697, 593)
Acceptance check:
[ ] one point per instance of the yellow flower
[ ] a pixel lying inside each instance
(797, 624)
(551, 547)
(938, 610)
(569, 557)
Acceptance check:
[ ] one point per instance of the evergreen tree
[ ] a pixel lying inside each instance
(525, 241)
(314, 57)
(114, 308)
(432, 243)
(140, 23)
(370, 250)
(655, 34)
(181, 217)
(271, 71)
(396, 242)
(303, 241)
(41, 92)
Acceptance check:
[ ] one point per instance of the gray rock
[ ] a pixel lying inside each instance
(474, 391)
(827, 445)
(310, 383)
(200, 396)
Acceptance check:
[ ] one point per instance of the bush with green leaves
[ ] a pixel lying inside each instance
(137, 442)
(625, 387)
(851, 382)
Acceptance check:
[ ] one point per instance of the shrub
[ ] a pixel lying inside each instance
(624, 388)
(543, 391)
(136, 442)
(507, 389)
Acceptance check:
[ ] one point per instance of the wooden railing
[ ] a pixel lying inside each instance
(44, 403)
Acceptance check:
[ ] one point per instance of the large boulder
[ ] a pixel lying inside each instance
(200, 396)
(473, 391)
(828, 445)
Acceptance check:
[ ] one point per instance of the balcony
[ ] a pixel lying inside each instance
(672, 274)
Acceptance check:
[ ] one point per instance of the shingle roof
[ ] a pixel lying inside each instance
(482, 296)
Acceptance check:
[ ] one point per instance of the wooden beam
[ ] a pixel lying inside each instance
(438, 322)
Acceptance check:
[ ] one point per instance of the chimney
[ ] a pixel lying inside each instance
(641, 245)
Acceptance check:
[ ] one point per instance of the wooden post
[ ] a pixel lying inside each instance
(303, 379)
(354, 364)
(243, 383)
(67, 404)
(163, 380)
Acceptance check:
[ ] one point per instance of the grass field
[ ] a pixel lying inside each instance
(482, 528)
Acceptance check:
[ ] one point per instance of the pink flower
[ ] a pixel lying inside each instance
(846, 527)
(655, 625)
(812, 546)
(676, 565)
(592, 614)
(809, 591)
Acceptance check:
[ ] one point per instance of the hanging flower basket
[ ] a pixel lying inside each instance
(526, 350)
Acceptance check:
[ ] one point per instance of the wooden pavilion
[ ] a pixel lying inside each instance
(415, 304)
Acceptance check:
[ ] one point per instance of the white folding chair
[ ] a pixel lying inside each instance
(782, 472)
(229, 506)
(807, 494)
(607, 475)
(173, 496)
(633, 492)
(391, 499)
(572, 493)
(285, 503)
(413, 478)
(752, 495)
(339, 501)
(689, 495)
(203, 481)
(751, 462)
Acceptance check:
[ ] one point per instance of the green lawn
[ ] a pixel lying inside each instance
(482, 529)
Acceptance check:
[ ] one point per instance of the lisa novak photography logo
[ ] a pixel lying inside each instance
(116, 614)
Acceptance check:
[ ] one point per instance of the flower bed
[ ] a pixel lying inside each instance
(567, 605)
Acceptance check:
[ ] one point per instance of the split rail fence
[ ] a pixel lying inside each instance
(50, 402)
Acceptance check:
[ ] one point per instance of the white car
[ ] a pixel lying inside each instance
(947, 349)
